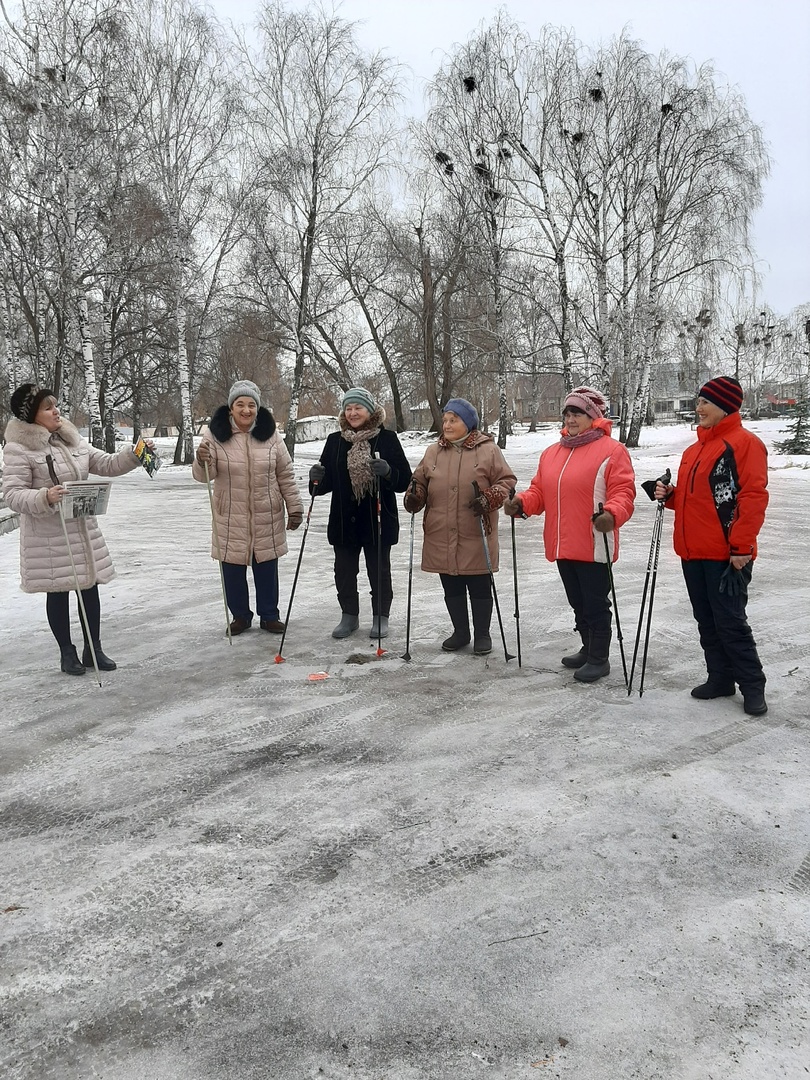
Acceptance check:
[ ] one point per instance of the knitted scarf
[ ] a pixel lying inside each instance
(358, 461)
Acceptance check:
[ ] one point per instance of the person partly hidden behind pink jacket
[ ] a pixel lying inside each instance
(585, 469)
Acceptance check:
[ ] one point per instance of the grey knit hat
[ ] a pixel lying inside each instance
(244, 388)
(358, 395)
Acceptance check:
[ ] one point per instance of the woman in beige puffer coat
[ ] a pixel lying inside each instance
(42, 452)
(254, 485)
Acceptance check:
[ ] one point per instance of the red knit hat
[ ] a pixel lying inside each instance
(725, 393)
(589, 400)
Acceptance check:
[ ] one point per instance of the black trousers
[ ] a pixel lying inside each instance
(265, 579)
(479, 586)
(347, 567)
(57, 609)
(587, 587)
(725, 636)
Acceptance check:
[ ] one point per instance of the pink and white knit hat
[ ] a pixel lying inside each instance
(589, 400)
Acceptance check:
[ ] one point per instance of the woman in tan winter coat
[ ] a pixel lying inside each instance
(453, 546)
(255, 501)
(42, 452)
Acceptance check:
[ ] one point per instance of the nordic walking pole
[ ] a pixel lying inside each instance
(515, 576)
(507, 655)
(650, 608)
(613, 595)
(652, 560)
(82, 611)
(219, 552)
(279, 658)
(407, 654)
(377, 486)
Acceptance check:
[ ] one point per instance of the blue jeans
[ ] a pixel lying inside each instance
(265, 580)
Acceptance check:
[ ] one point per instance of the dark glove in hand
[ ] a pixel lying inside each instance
(317, 473)
(480, 506)
(412, 502)
(604, 522)
(513, 507)
(294, 521)
(380, 467)
(731, 582)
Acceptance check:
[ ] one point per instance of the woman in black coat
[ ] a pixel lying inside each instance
(355, 461)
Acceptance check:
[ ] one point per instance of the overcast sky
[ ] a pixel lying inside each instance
(763, 48)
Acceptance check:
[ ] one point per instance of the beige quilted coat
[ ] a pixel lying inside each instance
(44, 560)
(254, 484)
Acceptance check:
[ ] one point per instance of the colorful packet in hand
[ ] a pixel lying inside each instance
(148, 458)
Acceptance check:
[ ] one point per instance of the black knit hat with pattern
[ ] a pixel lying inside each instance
(724, 392)
(26, 400)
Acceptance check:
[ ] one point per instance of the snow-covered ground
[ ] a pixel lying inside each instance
(214, 866)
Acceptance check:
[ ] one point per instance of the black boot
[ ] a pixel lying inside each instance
(579, 659)
(597, 665)
(482, 617)
(459, 616)
(104, 662)
(70, 660)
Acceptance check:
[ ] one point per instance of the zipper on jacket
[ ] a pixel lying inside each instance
(559, 502)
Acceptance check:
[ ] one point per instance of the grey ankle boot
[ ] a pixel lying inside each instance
(347, 625)
(379, 627)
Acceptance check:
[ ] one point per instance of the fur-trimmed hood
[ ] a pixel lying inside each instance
(36, 437)
(222, 429)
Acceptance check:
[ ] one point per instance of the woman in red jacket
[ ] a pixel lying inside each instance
(719, 505)
(585, 471)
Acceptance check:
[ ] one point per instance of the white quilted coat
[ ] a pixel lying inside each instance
(44, 560)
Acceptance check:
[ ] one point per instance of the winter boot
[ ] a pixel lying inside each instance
(379, 627)
(104, 662)
(482, 617)
(457, 608)
(579, 659)
(714, 688)
(347, 625)
(754, 702)
(597, 665)
(70, 660)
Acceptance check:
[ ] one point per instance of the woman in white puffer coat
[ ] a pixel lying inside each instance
(42, 452)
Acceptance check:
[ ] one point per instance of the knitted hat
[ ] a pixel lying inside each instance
(725, 393)
(26, 400)
(358, 396)
(464, 411)
(244, 388)
(589, 400)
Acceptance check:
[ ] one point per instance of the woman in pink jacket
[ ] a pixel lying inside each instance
(586, 487)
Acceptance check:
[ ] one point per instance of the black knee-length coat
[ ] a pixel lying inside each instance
(353, 524)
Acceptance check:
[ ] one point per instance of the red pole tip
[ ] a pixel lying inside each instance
(280, 659)
(381, 652)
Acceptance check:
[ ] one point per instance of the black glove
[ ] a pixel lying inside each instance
(380, 467)
(317, 473)
(649, 485)
(731, 582)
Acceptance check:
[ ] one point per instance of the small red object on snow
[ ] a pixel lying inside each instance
(280, 659)
(318, 676)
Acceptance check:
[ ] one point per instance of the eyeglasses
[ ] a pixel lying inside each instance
(573, 412)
